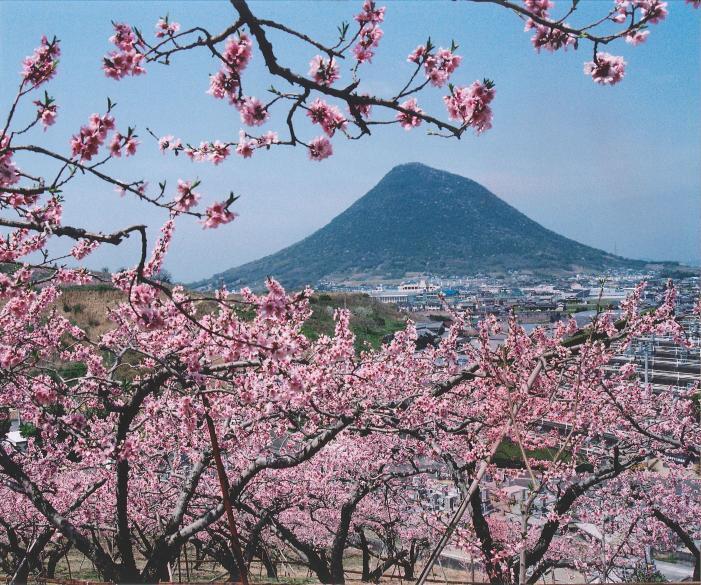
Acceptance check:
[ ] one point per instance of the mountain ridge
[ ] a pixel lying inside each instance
(418, 219)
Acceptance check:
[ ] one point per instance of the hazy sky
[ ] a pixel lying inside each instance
(614, 167)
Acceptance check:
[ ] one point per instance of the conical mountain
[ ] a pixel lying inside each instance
(421, 220)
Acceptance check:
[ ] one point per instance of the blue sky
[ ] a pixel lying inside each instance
(614, 167)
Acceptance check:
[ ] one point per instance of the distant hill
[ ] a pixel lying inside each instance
(421, 220)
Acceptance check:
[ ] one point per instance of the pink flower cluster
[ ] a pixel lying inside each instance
(538, 7)
(126, 60)
(186, 197)
(370, 13)
(253, 111)
(87, 142)
(10, 357)
(546, 37)
(327, 116)
(155, 262)
(49, 215)
(44, 395)
(323, 71)
(79, 276)
(46, 113)
(320, 148)
(368, 41)
(165, 28)
(169, 142)
(217, 214)
(127, 143)
(144, 299)
(83, 248)
(226, 82)
(438, 66)
(606, 69)
(247, 144)
(470, 105)
(19, 244)
(214, 152)
(9, 174)
(637, 37)
(549, 38)
(407, 120)
(370, 33)
(651, 12)
(41, 66)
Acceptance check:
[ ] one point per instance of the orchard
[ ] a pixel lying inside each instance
(210, 421)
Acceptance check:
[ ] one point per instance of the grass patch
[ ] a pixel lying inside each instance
(371, 321)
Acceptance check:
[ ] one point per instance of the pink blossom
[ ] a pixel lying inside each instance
(46, 112)
(606, 69)
(128, 450)
(253, 111)
(694, 3)
(186, 196)
(238, 52)
(116, 145)
(538, 7)
(9, 174)
(653, 11)
(83, 248)
(637, 37)
(144, 299)
(217, 215)
(245, 146)
(268, 139)
(407, 120)
(368, 41)
(370, 13)
(226, 82)
(44, 395)
(123, 37)
(130, 145)
(126, 60)
(169, 142)
(41, 66)
(619, 18)
(218, 152)
(440, 66)
(328, 117)
(323, 71)
(9, 357)
(470, 105)
(417, 54)
(118, 65)
(87, 142)
(214, 152)
(320, 148)
(550, 38)
(50, 214)
(165, 28)
(370, 33)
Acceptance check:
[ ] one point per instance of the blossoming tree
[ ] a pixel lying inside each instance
(194, 413)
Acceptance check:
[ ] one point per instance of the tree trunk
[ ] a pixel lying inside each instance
(365, 550)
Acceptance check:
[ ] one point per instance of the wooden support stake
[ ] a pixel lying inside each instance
(224, 485)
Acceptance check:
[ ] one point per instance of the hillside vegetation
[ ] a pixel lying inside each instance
(371, 321)
(417, 220)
